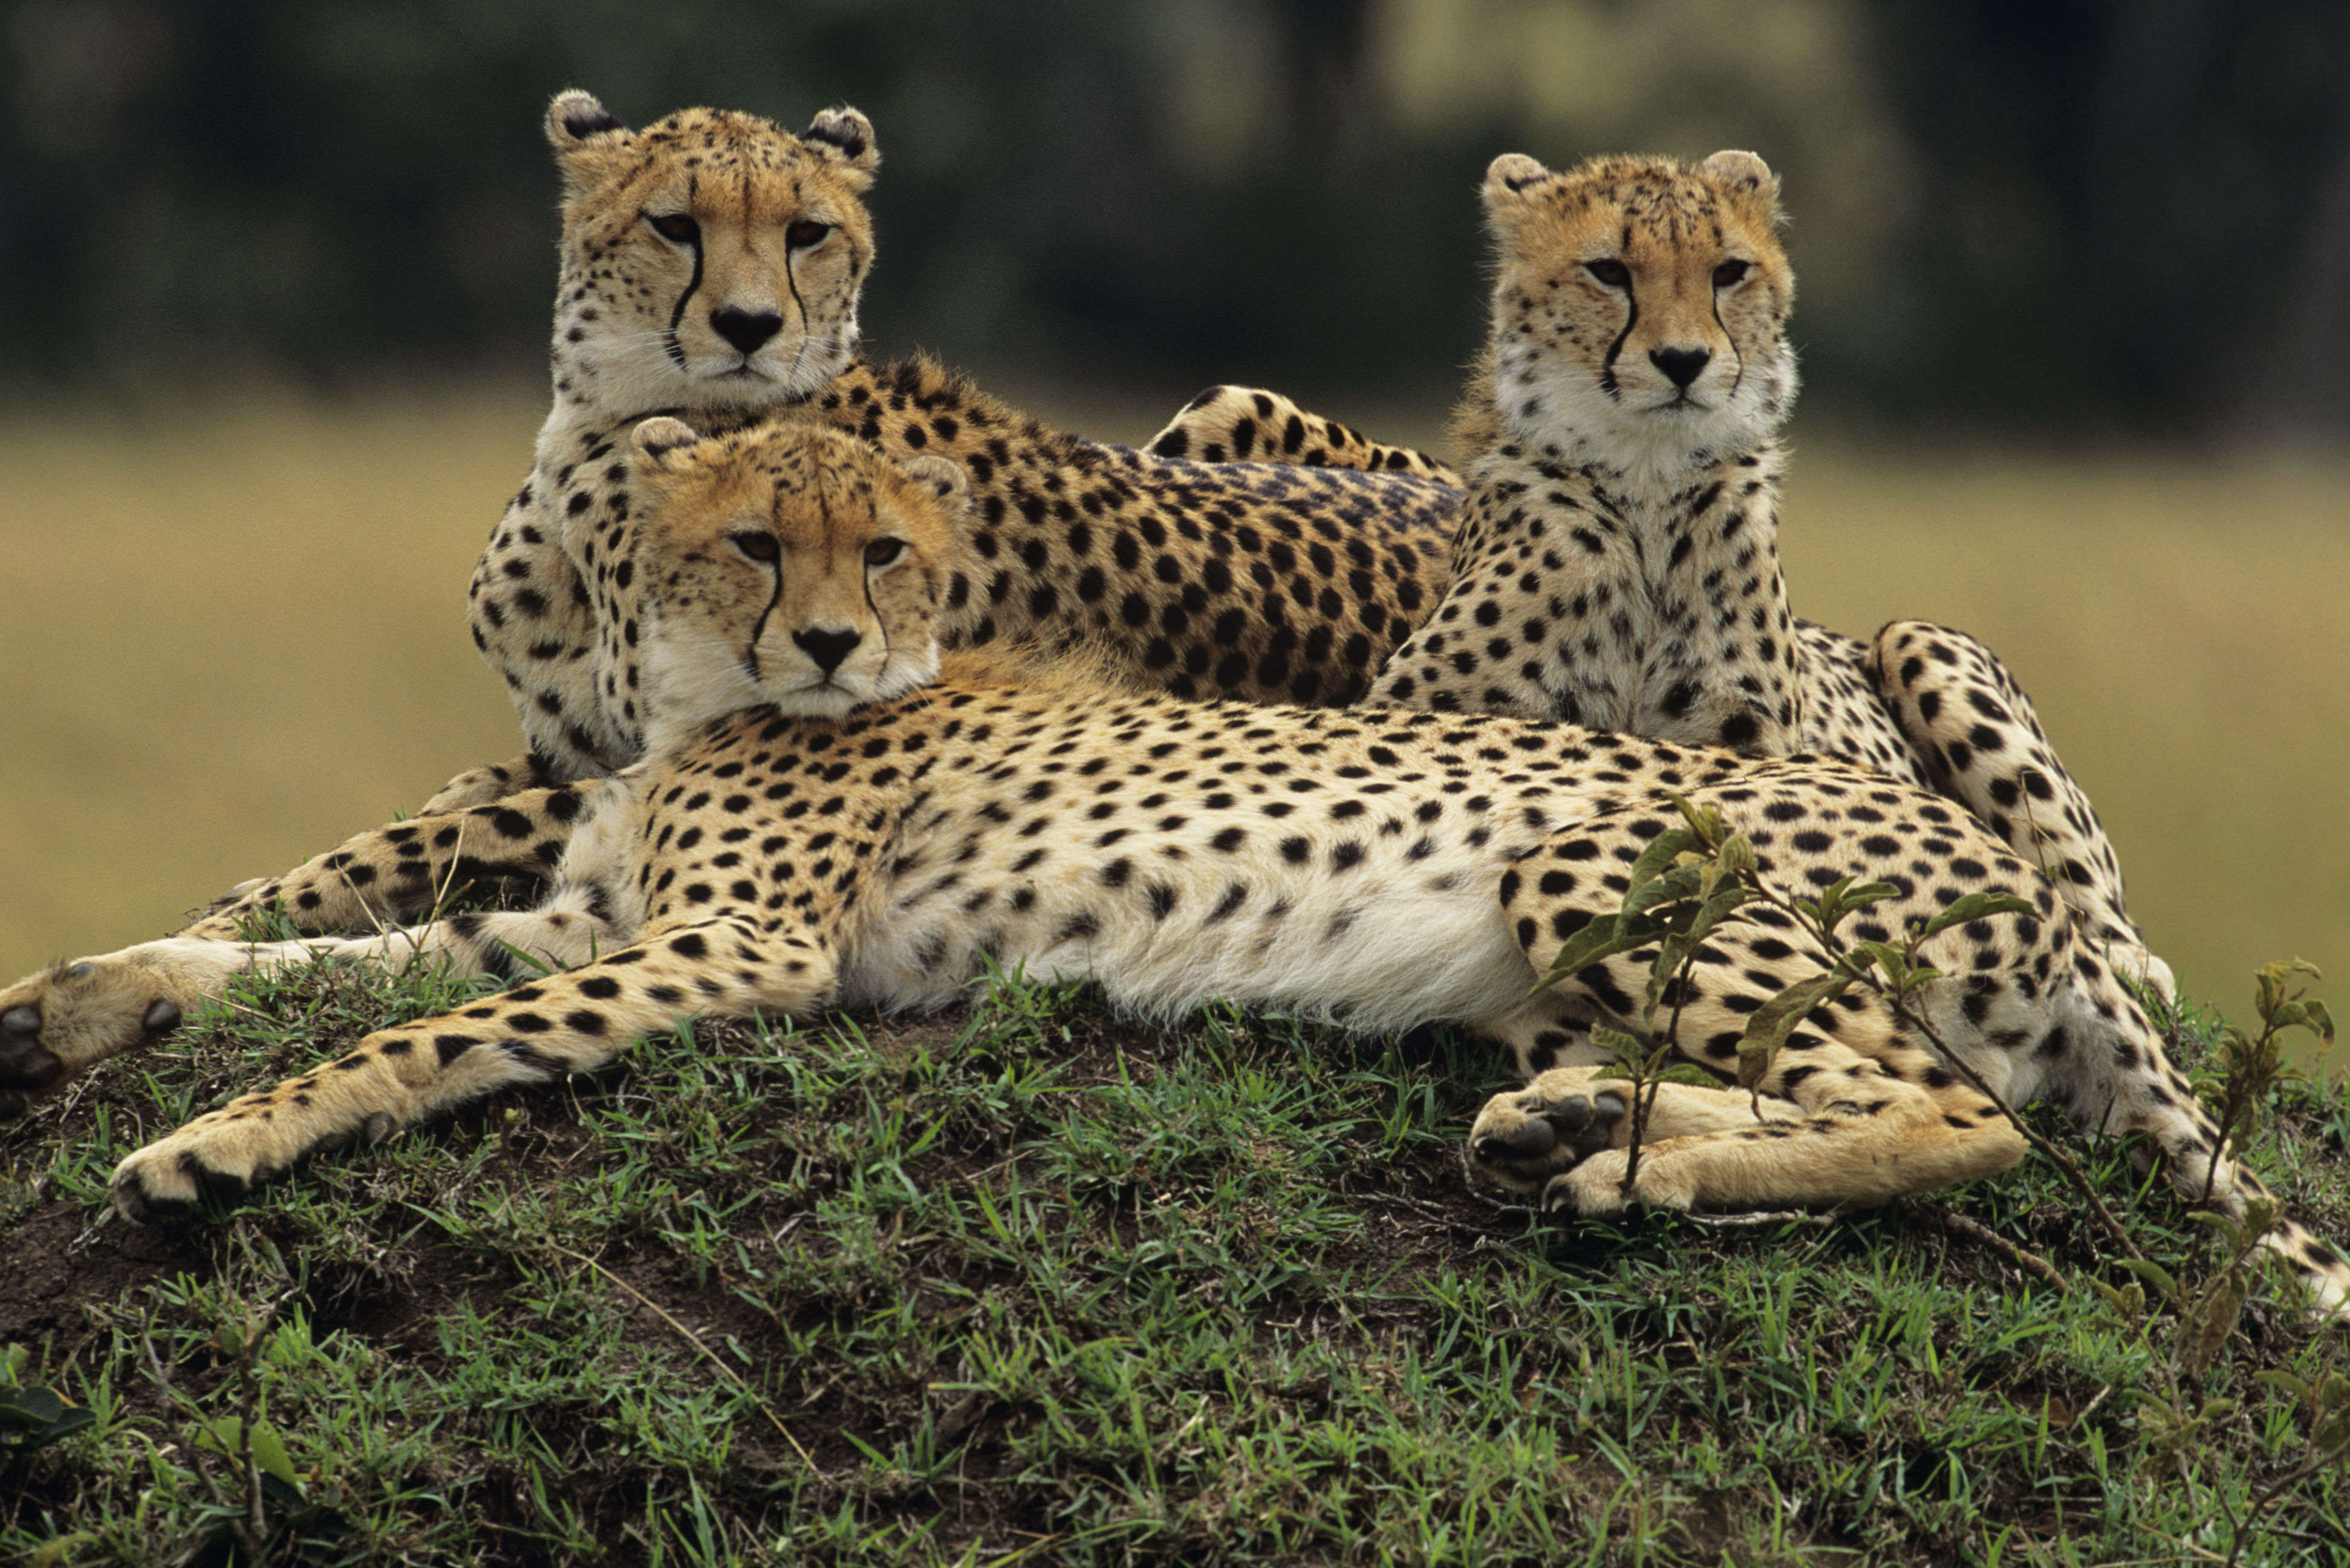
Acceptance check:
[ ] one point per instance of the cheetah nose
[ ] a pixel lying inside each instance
(827, 647)
(1680, 366)
(743, 329)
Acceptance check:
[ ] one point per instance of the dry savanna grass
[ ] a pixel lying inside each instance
(238, 635)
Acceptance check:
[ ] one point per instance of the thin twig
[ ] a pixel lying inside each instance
(1775, 1217)
(694, 1340)
(1960, 1225)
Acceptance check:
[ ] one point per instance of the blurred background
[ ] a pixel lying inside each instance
(275, 279)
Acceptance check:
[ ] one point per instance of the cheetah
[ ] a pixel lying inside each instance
(711, 267)
(835, 811)
(1618, 564)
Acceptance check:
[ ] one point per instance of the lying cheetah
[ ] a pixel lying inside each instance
(711, 269)
(1618, 561)
(832, 813)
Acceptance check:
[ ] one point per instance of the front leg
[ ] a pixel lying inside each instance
(568, 1023)
(63, 1021)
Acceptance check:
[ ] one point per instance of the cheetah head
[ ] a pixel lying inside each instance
(789, 564)
(1641, 306)
(709, 259)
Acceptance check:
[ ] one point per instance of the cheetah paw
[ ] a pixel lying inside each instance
(58, 1023)
(220, 1157)
(1526, 1138)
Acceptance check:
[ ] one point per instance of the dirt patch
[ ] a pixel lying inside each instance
(60, 1259)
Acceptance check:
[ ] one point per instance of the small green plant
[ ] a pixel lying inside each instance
(33, 1415)
(1688, 881)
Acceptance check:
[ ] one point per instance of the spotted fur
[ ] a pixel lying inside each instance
(805, 834)
(1249, 425)
(1617, 564)
(1259, 582)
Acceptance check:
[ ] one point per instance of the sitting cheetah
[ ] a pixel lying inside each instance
(1618, 561)
(835, 812)
(710, 266)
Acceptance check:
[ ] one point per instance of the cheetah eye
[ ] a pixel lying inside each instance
(1611, 271)
(1730, 272)
(881, 552)
(678, 228)
(760, 547)
(805, 232)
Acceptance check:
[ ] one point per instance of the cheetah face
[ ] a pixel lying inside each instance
(1642, 304)
(711, 259)
(790, 565)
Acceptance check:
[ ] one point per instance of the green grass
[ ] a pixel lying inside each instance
(1033, 1283)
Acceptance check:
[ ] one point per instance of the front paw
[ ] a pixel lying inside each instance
(1523, 1138)
(1596, 1188)
(59, 1023)
(220, 1157)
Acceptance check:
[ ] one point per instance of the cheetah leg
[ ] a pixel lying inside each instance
(1851, 1111)
(1833, 1125)
(59, 1022)
(567, 1023)
(1248, 424)
(1980, 743)
(535, 619)
(2106, 1060)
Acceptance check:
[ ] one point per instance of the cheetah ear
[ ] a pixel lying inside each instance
(655, 439)
(1745, 174)
(587, 137)
(942, 478)
(1508, 179)
(844, 138)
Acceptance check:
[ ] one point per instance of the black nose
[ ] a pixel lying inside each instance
(1682, 365)
(827, 647)
(745, 330)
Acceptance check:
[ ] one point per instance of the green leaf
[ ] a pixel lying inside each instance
(1671, 884)
(37, 1416)
(2155, 1274)
(1601, 939)
(1661, 852)
(1768, 1028)
(1622, 1046)
(1671, 951)
(1976, 907)
(30, 1406)
(1843, 898)
(226, 1435)
(2207, 1329)
(1687, 1073)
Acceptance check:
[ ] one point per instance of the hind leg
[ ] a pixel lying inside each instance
(1852, 1111)
(1974, 731)
(1248, 424)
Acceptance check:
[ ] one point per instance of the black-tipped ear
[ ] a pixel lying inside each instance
(586, 137)
(943, 478)
(1510, 174)
(845, 139)
(575, 116)
(1745, 173)
(655, 439)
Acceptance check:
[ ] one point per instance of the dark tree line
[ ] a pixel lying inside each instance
(2131, 215)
